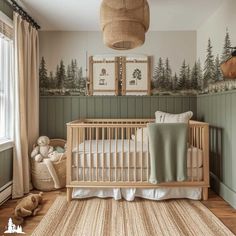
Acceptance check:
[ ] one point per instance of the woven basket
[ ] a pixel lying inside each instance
(41, 177)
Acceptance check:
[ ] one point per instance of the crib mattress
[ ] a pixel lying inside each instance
(117, 160)
(111, 153)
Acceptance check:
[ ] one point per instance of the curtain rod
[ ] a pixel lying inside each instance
(23, 14)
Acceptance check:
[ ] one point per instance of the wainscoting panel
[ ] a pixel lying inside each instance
(220, 111)
(6, 164)
(56, 111)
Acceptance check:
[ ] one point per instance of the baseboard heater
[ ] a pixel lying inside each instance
(5, 192)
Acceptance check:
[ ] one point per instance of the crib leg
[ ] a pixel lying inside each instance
(205, 193)
(69, 194)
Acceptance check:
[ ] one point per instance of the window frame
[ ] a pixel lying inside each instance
(7, 141)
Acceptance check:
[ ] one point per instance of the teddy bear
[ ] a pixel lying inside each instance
(29, 205)
(42, 150)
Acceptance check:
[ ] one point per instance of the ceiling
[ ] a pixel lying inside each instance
(83, 15)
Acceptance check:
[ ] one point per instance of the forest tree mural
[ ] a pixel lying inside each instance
(196, 80)
(66, 80)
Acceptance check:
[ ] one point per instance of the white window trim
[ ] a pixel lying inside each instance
(6, 144)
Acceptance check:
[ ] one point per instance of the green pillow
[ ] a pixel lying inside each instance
(59, 149)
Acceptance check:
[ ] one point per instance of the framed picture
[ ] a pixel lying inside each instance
(103, 75)
(136, 78)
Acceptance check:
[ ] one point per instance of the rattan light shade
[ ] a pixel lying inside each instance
(124, 23)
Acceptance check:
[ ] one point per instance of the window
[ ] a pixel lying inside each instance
(6, 82)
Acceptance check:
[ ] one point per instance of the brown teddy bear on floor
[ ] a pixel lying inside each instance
(28, 206)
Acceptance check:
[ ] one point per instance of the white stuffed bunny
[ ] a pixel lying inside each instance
(42, 150)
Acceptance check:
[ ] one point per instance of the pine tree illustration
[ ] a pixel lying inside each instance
(52, 84)
(158, 74)
(200, 74)
(209, 67)
(43, 77)
(137, 75)
(61, 75)
(175, 82)
(182, 77)
(167, 75)
(195, 77)
(188, 77)
(74, 71)
(226, 49)
(69, 81)
(218, 73)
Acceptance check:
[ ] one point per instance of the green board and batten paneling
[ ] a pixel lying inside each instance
(6, 165)
(56, 111)
(220, 111)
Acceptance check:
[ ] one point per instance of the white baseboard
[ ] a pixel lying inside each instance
(5, 192)
(225, 192)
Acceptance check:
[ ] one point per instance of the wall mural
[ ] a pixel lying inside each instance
(65, 82)
(194, 80)
(69, 81)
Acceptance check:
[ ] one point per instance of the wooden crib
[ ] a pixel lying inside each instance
(114, 153)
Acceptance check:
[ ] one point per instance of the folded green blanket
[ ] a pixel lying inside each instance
(168, 152)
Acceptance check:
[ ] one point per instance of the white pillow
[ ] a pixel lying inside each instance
(139, 135)
(163, 117)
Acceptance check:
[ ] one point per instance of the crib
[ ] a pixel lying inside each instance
(114, 153)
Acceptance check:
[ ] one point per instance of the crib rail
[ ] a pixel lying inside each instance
(115, 153)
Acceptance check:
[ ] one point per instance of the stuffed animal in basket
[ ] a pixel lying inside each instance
(42, 150)
(29, 205)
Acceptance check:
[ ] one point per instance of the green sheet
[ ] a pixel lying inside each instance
(168, 152)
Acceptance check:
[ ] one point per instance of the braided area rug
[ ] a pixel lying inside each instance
(101, 217)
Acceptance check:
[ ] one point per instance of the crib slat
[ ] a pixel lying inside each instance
(77, 153)
(96, 154)
(103, 154)
(116, 150)
(135, 155)
(90, 154)
(147, 159)
(192, 143)
(197, 144)
(142, 157)
(109, 153)
(129, 155)
(122, 160)
(84, 155)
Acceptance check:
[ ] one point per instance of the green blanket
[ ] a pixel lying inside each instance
(168, 152)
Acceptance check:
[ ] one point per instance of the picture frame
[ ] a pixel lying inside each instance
(103, 75)
(136, 75)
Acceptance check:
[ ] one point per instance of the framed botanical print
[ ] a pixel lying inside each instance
(103, 75)
(136, 78)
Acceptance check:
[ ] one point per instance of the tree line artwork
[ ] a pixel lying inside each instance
(66, 81)
(190, 80)
(196, 79)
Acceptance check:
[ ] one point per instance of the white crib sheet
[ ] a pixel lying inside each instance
(124, 150)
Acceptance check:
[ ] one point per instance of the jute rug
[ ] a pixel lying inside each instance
(102, 217)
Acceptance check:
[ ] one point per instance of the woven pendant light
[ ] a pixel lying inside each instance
(124, 23)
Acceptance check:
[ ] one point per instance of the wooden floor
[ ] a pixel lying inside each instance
(216, 204)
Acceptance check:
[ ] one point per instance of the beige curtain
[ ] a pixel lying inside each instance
(26, 110)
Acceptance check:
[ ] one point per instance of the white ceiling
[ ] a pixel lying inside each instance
(83, 15)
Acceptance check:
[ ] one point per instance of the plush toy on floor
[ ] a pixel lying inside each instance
(29, 205)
